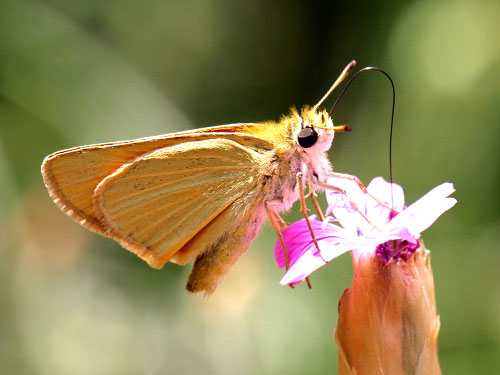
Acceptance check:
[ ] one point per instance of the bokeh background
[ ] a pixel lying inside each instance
(80, 72)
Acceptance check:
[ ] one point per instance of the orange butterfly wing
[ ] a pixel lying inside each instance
(72, 175)
(146, 202)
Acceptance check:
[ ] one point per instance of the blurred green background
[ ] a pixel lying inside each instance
(80, 72)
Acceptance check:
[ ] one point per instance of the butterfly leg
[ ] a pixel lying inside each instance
(312, 195)
(278, 225)
(303, 210)
(326, 186)
(361, 186)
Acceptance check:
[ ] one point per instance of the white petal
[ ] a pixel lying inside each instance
(423, 213)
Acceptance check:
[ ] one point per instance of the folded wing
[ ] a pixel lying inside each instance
(72, 175)
(154, 205)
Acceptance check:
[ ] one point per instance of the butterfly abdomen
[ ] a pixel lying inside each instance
(211, 266)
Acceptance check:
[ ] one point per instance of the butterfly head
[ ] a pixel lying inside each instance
(316, 130)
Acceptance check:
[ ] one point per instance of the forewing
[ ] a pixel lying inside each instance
(72, 175)
(156, 204)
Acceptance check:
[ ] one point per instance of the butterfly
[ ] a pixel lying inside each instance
(196, 196)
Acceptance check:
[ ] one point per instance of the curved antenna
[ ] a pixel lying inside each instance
(342, 76)
(392, 112)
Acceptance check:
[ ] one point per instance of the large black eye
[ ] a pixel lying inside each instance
(307, 137)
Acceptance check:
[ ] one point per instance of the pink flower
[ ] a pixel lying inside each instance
(366, 225)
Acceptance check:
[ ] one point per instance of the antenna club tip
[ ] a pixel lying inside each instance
(342, 128)
(351, 65)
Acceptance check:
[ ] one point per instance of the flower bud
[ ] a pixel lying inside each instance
(387, 318)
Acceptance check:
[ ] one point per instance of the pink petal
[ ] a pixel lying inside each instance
(368, 244)
(423, 213)
(399, 233)
(310, 261)
(381, 189)
(340, 205)
(345, 213)
(342, 208)
(298, 240)
(302, 253)
(391, 195)
(352, 189)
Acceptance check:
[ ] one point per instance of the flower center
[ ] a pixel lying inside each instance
(396, 249)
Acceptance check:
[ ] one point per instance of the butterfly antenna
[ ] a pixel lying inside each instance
(392, 111)
(339, 80)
